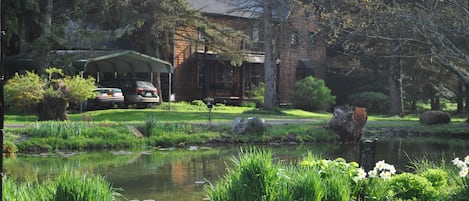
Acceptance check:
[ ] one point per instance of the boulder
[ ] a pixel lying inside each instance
(435, 117)
(251, 125)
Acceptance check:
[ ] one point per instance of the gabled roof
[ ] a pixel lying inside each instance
(218, 7)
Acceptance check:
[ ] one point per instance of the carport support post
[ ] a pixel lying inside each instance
(206, 71)
(169, 90)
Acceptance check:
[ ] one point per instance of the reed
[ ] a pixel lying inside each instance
(254, 178)
(68, 186)
(76, 187)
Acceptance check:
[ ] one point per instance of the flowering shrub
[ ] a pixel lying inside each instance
(462, 165)
(463, 193)
(383, 170)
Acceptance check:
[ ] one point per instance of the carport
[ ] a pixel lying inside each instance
(126, 61)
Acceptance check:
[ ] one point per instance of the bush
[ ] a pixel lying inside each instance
(410, 186)
(258, 93)
(31, 91)
(438, 177)
(374, 102)
(312, 94)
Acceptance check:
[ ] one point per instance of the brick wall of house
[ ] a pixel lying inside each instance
(185, 83)
(185, 61)
(290, 55)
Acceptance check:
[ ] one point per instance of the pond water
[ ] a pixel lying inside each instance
(182, 174)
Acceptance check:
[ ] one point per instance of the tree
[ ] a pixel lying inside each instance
(48, 97)
(414, 29)
(274, 16)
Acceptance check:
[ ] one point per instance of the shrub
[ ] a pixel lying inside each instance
(312, 94)
(374, 102)
(258, 94)
(438, 177)
(410, 186)
(32, 91)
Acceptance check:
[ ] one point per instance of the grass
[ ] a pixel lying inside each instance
(69, 186)
(188, 124)
(257, 176)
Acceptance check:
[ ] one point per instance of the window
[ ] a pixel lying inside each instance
(254, 76)
(201, 35)
(200, 76)
(255, 34)
(294, 39)
(312, 37)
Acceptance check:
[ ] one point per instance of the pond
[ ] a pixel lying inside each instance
(182, 174)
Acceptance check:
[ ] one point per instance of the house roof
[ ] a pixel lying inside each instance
(218, 7)
(117, 61)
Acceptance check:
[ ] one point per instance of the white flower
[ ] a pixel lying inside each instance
(380, 165)
(385, 175)
(459, 163)
(373, 173)
(463, 172)
(391, 169)
(361, 174)
(466, 160)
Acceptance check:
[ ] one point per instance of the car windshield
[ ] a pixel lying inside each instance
(144, 84)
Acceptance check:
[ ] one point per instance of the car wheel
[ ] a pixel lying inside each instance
(123, 105)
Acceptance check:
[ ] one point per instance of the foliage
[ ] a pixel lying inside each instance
(149, 124)
(13, 190)
(254, 177)
(50, 135)
(78, 88)
(437, 177)
(374, 102)
(9, 147)
(410, 186)
(312, 94)
(258, 93)
(78, 187)
(67, 187)
(24, 91)
(30, 90)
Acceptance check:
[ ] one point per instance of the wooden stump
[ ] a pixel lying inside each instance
(348, 122)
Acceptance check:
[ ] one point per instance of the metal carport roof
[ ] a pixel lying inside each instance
(126, 61)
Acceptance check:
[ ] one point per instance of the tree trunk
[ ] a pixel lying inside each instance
(52, 108)
(270, 96)
(396, 106)
(435, 103)
(460, 98)
(348, 122)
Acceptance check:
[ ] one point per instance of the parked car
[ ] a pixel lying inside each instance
(136, 92)
(106, 98)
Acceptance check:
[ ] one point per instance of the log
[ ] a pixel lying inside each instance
(348, 122)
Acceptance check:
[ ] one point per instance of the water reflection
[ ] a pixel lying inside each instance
(181, 175)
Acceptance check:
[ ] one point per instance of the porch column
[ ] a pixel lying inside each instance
(241, 80)
(206, 72)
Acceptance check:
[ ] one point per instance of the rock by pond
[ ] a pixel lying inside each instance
(435, 117)
(248, 125)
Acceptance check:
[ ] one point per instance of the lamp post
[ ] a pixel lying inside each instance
(209, 102)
